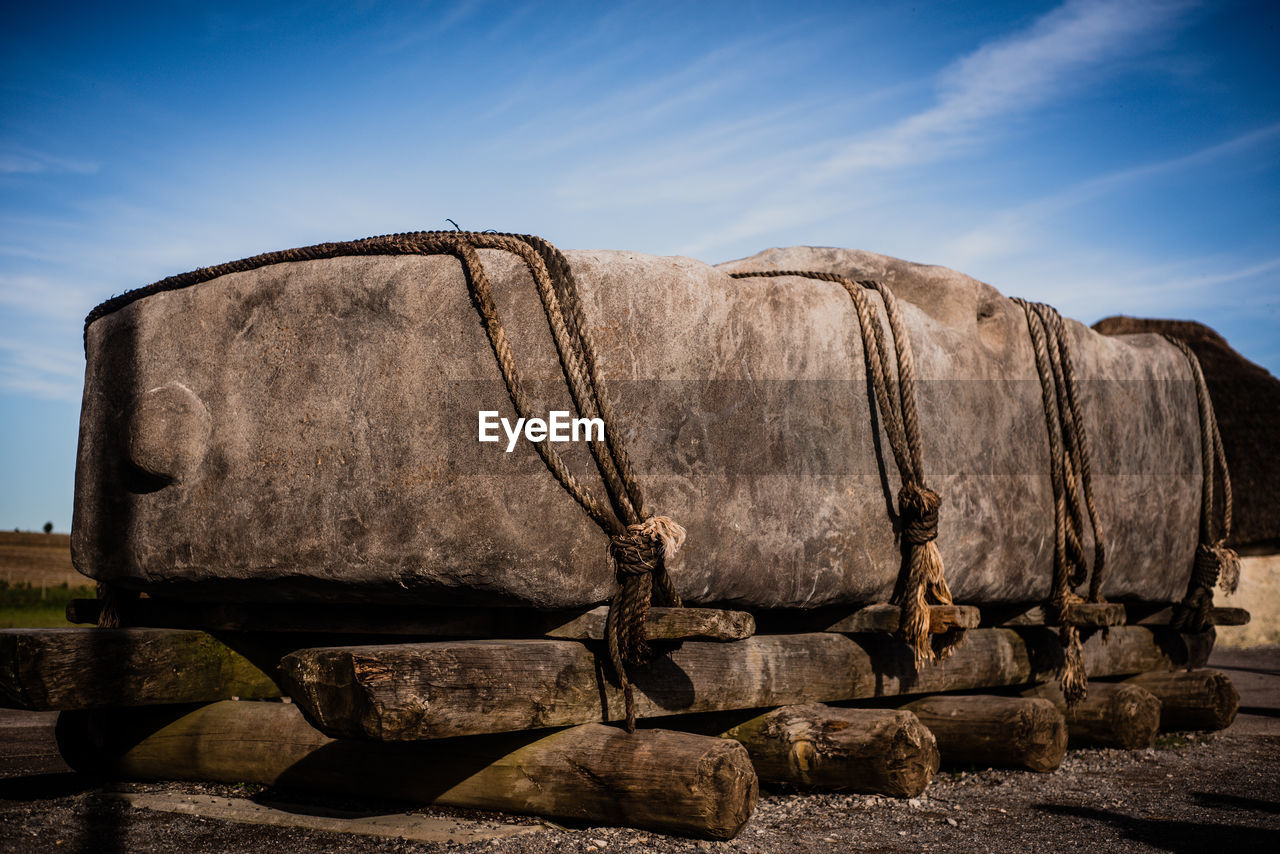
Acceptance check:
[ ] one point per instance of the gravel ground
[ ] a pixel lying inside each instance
(1191, 793)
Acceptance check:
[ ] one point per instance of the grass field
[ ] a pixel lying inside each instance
(37, 559)
(24, 605)
(37, 579)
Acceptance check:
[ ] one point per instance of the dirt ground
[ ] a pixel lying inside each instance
(1191, 793)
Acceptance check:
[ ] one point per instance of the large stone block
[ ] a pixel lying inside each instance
(309, 429)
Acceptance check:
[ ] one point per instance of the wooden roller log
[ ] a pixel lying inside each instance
(47, 669)
(1192, 699)
(671, 782)
(1011, 732)
(873, 751)
(407, 692)
(1114, 714)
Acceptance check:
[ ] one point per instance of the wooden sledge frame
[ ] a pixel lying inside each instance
(438, 688)
(663, 623)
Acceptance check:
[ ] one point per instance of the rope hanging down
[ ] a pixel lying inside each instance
(1072, 478)
(639, 542)
(1215, 564)
(917, 503)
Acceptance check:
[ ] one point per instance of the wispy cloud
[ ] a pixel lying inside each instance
(977, 98)
(25, 161)
(1008, 76)
(40, 371)
(43, 296)
(1011, 230)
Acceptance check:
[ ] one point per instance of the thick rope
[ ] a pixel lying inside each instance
(895, 399)
(1071, 474)
(640, 543)
(113, 600)
(1215, 563)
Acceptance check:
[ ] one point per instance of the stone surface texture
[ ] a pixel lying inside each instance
(323, 417)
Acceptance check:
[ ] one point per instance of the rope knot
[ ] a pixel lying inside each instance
(1216, 565)
(638, 557)
(642, 548)
(919, 508)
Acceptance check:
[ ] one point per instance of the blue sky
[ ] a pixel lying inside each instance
(1105, 157)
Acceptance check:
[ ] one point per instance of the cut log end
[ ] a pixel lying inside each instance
(1112, 715)
(1015, 732)
(1202, 700)
(670, 782)
(873, 751)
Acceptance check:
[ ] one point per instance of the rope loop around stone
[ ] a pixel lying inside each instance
(892, 375)
(1215, 563)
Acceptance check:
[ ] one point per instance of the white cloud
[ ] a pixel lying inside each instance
(16, 160)
(42, 372)
(1017, 229)
(1008, 76)
(978, 96)
(43, 296)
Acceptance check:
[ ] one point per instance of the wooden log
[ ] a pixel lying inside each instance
(292, 617)
(72, 668)
(1085, 615)
(1192, 700)
(873, 751)
(1010, 732)
(1161, 615)
(406, 692)
(1114, 714)
(672, 782)
(886, 618)
(662, 623)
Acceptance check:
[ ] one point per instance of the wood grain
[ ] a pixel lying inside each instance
(72, 668)
(987, 730)
(406, 692)
(1112, 715)
(671, 782)
(1192, 700)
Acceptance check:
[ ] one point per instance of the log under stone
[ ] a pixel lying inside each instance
(407, 692)
(1192, 700)
(672, 782)
(1114, 714)
(74, 668)
(872, 751)
(988, 730)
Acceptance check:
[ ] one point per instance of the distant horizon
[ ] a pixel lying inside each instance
(1105, 156)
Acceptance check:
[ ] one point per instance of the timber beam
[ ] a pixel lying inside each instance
(1113, 714)
(411, 621)
(829, 748)
(672, 782)
(995, 731)
(1096, 615)
(1162, 615)
(1204, 700)
(72, 668)
(414, 691)
(872, 619)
